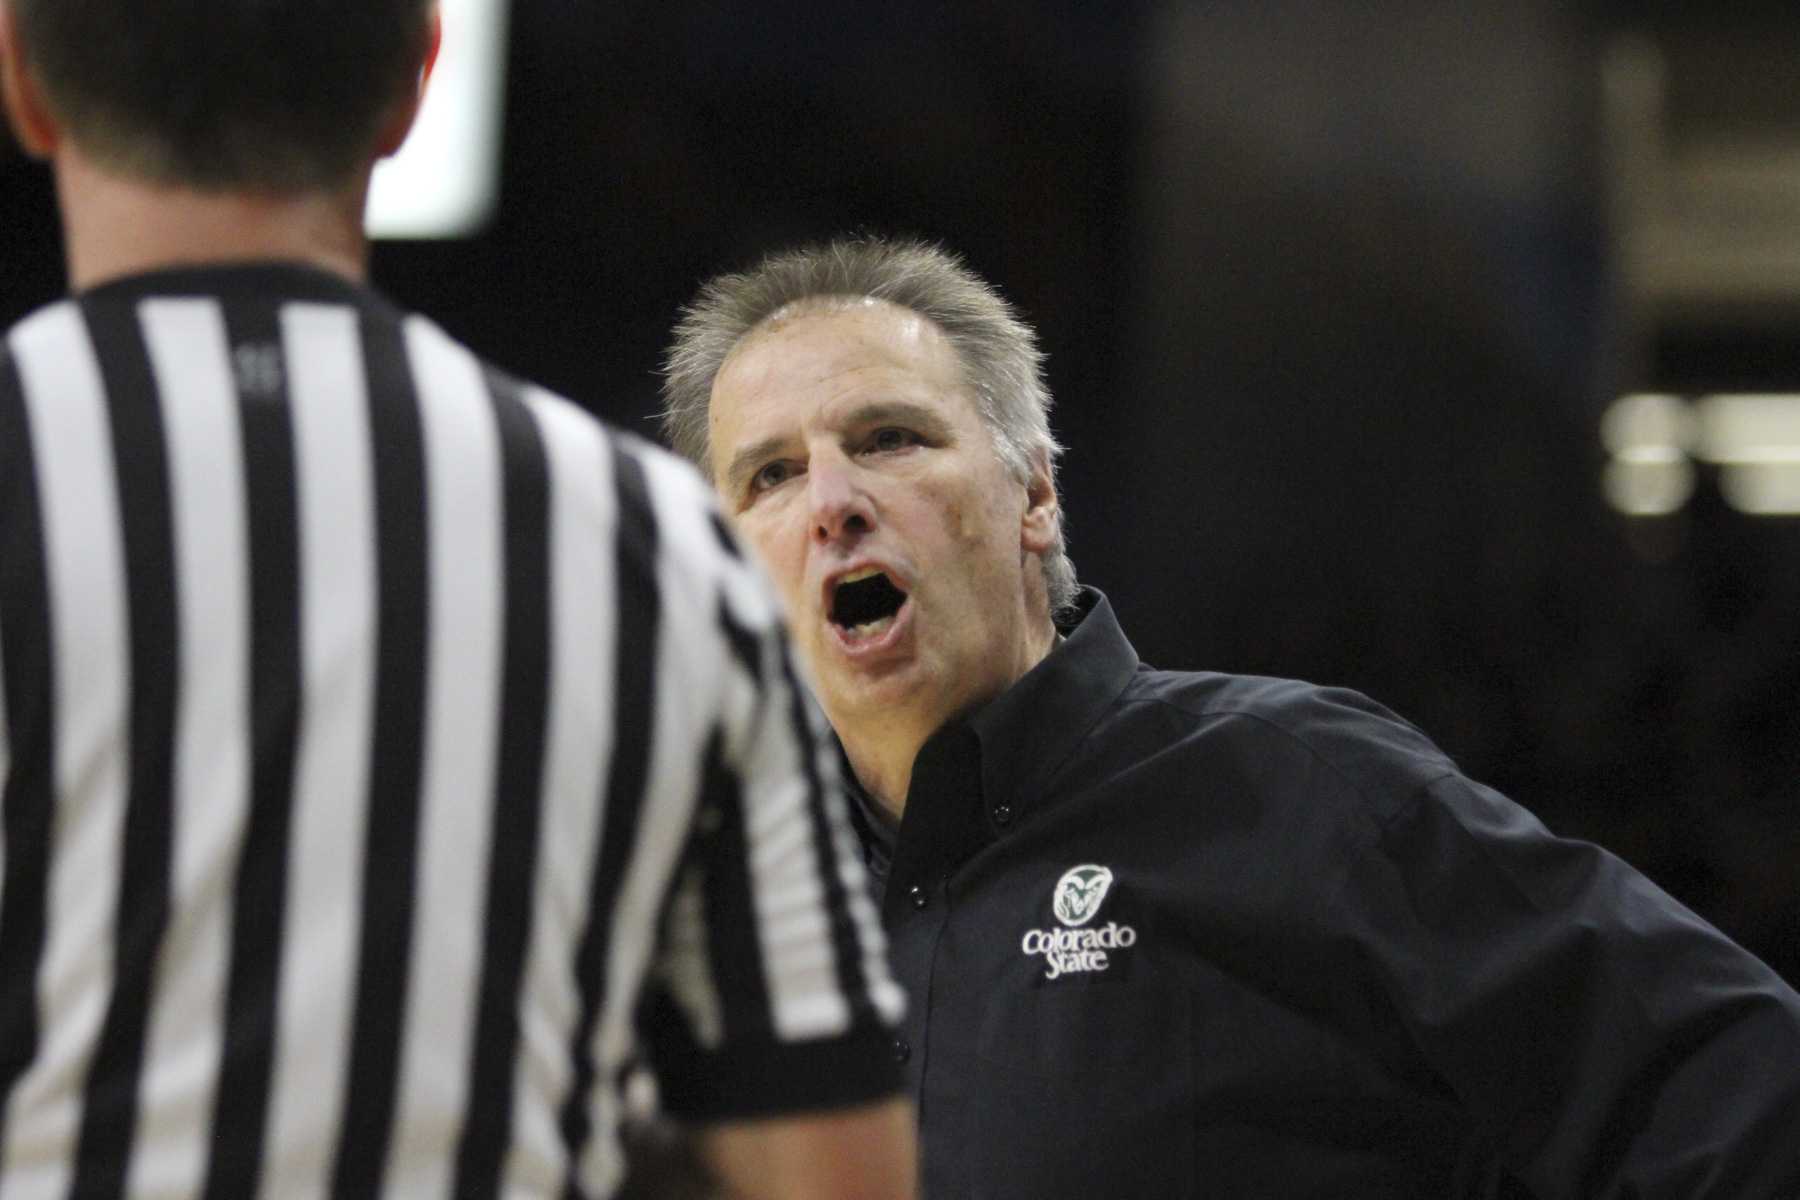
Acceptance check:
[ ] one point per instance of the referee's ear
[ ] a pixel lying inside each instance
(27, 113)
(406, 107)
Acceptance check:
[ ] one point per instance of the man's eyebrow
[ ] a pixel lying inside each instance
(895, 412)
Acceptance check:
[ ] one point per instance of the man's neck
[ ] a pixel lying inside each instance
(883, 765)
(116, 226)
(882, 750)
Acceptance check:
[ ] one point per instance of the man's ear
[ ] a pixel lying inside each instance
(26, 112)
(1043, 517)
(406, 109)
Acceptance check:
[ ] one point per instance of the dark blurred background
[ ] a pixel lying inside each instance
(1335, 303)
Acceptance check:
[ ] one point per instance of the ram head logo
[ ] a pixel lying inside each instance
(1079, 893)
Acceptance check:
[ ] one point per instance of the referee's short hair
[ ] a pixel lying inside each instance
(999, 352)
(283, 96)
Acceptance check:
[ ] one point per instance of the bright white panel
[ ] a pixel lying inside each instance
(1640, 421)
(1649, 483)
(1763, 489)
(445, 182)
(1750, 428)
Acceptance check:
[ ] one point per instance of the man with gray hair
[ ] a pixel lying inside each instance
(1171, 934)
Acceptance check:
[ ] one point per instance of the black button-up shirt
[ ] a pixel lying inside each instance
(1184, 934)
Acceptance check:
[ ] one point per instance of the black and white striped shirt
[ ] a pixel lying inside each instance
(390, 754)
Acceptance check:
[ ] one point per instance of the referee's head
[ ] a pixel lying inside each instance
(270, 96)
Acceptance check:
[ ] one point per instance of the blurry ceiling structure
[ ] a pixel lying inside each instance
(1702, 122)
(1701, 125)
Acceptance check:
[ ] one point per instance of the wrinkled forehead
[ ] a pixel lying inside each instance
(823, 353)
(905, 329)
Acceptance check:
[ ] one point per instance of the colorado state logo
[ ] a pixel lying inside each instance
(1079, 893)
(1077, 898)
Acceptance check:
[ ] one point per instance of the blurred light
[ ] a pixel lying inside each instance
(445, 181)
(1749, 429)
(1763, 489)
(1649, 482)
(1645, 420)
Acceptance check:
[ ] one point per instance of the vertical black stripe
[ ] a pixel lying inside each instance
(28, 798)
(728, 900)
(258, 910)
(722, 534)
(391, 846)
(109, 1115)
(512, 861)
(640, 617)
(745, 647)
(846, 944)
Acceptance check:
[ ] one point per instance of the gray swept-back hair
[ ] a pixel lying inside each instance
(999, 352)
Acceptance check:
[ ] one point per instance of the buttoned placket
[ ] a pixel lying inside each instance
(945, 823)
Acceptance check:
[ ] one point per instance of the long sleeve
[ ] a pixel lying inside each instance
(1610, 1042)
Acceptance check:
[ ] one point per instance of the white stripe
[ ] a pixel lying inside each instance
(462, 470)
(687, 962)
(578, 739)
(689, 663)
(188, 355)
(335, 476)
(72, 445)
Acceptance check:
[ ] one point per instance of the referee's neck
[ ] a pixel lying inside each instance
(114, 225)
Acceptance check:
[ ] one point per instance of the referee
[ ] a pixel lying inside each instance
(390, 756)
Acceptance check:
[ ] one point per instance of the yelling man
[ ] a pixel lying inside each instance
(1178, 934)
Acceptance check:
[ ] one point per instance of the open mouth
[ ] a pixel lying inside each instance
(864, 603)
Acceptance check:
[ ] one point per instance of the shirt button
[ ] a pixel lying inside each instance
(920, 898)
(1002, 814)
(902, 1050)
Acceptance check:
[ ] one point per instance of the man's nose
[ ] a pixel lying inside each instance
(839, 507)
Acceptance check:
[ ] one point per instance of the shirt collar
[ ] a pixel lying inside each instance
(875, 827)
(249, 277)
(1028, 732)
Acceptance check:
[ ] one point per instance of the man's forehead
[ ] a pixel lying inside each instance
(864, 320)
(847, 348)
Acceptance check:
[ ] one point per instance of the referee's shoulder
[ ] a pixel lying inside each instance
(699, 543)
(32, 339)
(664, 489)
(17, 339)
(47, 311)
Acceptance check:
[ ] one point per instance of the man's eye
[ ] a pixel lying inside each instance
(773, 475)
(887, 440)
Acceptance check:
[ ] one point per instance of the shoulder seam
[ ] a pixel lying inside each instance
(1367, 805)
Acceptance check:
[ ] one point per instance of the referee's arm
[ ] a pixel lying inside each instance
(868, 1149)
(769, 1017)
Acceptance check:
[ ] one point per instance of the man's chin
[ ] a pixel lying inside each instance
(868, 692)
